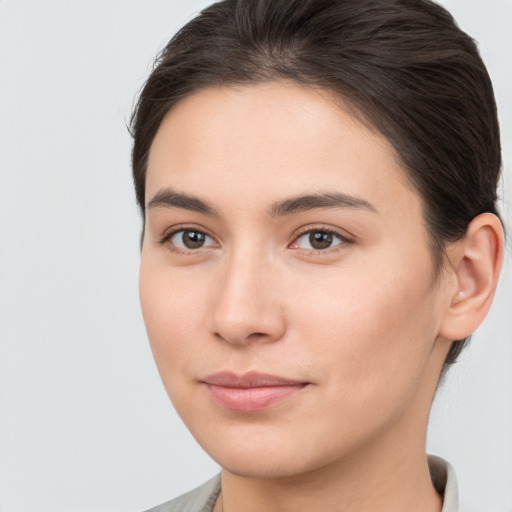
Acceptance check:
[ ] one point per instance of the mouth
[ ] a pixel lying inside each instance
(250, 392)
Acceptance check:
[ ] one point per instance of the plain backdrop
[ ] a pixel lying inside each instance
(85, 424)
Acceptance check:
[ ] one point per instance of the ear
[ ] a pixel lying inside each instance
(476, 262)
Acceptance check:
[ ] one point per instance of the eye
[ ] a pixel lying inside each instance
(318, 240)
(190, 239)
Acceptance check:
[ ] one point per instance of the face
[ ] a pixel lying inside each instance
(286, 281)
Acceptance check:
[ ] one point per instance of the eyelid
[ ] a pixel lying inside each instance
(174, 230)
(345, 239)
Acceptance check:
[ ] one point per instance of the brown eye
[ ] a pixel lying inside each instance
(190, 239)
(320, 239)
(193, 239)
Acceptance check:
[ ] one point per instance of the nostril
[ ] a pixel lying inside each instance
(240, 318)
(240, 339)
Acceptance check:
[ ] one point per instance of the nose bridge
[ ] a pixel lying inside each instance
(246, 306)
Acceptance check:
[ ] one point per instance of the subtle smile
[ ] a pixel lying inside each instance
(250, 392)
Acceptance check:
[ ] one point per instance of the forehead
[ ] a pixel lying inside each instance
(274, 139)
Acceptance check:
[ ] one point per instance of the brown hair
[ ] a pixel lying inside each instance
(404, 65)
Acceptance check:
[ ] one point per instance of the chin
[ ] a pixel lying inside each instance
(265, 458)
(262, 467)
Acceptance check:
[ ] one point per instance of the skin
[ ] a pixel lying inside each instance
(365, 322)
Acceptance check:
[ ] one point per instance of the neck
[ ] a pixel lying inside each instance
(394, 484)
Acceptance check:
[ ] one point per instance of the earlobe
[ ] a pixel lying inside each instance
(476, 263)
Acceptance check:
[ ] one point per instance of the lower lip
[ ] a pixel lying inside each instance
(251, 399)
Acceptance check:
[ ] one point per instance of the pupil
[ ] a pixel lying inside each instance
(320, 239)
(193, 239)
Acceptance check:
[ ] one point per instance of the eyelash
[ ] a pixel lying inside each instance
(344, 240)
(167, 237)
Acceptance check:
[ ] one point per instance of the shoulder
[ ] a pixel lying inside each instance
(201, 499)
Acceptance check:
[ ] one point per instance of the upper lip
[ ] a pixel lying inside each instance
(249, 380)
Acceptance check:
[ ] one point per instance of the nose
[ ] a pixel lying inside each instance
(248, 307)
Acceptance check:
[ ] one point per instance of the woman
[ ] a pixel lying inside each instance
(318, 183)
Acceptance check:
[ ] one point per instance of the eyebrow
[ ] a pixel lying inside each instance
(171, 199)
(320, 200)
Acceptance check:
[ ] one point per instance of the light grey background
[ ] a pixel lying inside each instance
(85, 424)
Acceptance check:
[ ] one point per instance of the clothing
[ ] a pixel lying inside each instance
(204, 497)
(201, 499)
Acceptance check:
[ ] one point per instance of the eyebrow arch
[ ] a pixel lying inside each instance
(321, 200)
(171, 199)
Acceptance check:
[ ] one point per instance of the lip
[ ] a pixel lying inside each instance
(250, 392)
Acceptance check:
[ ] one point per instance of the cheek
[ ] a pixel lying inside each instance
(173, 311)
(374, 329)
